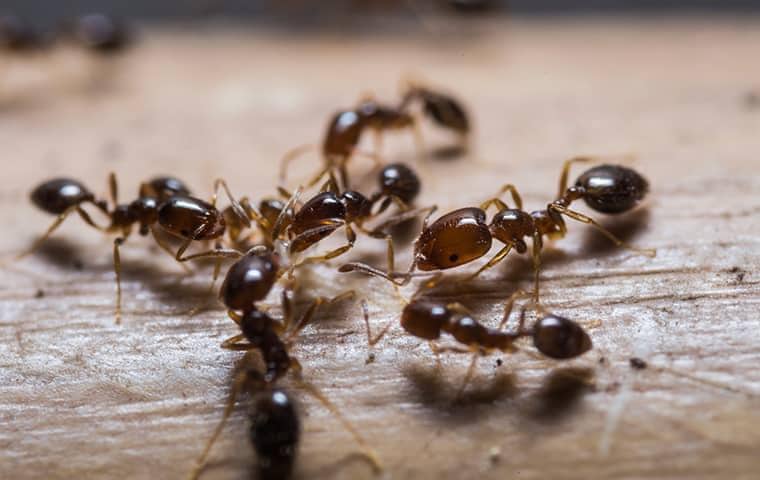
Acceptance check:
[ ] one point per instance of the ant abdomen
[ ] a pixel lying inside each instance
(59, 194)
(446, 112)
(343, 133)
(560, 338)
(454, 239)
(249, 280)
(190, 217)
(612, 188)
(325, 206)
(275, 433)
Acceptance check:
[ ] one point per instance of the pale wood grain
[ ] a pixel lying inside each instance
(83, 398)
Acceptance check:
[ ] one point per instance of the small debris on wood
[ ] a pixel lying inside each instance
(39, 293)
(494, 455)
(370, 359)
(637, 363)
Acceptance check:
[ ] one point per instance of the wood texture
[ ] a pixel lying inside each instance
(83, 398)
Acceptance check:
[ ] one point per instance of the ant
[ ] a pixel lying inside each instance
(444, 110)
(462, 236)
(18, 35)
(163, 201)
(344, 132)
(100, 33)
(275, 432)
(554, 336)
(248, 281)
(305, 225)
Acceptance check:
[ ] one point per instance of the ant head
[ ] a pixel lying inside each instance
(456, 238)
(511, 226)
(249, 280)
(398, 180)
(612, 188)
(425, 318)
(560, 338)
(358, 207)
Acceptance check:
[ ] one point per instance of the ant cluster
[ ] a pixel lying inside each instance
(269, 241)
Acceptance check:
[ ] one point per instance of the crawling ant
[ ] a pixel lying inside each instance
(462, 236)
(100, 33)
(343, 134)
(275, 432)
(163, 201)
(18, 35)
(554, 336)
(248, 281)
(443, 109)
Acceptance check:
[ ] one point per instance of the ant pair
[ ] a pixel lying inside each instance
(301, 226)
(554, 336)
(462, 236)
(249, 281)
(162, 202)
(345, 128)
(96, 32)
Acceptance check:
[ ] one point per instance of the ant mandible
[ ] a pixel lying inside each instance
(163, 201)
(343, 134)
(462, 236)
(248, 281)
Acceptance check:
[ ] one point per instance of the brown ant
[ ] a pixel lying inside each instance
(101, 33)
(248, 281)
(18, 35)
(462, 236)
(554, 336)
(443, 109)
(343, 134)
(163, 201)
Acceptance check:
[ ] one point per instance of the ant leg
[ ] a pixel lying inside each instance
(216, 253)
(496, 259)
(566, 172)
(285, 213)
(289, 156)
(316, 178)
(500, 204)
(309, 314)
(232, 343)
(236, 317)
(419, 141)
(366, 451)
(378, 140)
(118, 242)
(237, 386)
(57, 223)
(467, 377)
(239, 211)
(165, 247)
(650, 252)
(343, 173)
(538, 244)
(113, 188)
(370, 340)
(350, 240)
(509, 304)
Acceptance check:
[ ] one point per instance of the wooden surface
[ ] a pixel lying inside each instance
(83, 398)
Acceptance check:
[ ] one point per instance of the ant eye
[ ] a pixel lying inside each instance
(453, 257)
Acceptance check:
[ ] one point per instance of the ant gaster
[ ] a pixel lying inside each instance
(443, 109)
(462, 236)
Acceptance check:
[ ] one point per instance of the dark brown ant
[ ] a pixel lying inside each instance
(443, 109)
(248, 281)
(163, 201)
(18, 35)
(553, 336)
(343, 134)
(275, 433)
(101, 33)
(462, 236)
